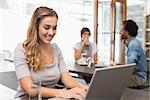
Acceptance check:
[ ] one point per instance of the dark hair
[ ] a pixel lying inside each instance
(131, 27)
(85, 29)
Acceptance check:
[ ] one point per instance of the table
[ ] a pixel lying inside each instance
(6, 93)
(82, 70)
(7, 66)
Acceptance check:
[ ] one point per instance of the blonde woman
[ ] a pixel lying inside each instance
(38, 61)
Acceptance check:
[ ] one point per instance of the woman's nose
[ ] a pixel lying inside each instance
(87, 36)
(51, 32)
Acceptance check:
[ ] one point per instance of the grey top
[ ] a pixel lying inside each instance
(48, 77)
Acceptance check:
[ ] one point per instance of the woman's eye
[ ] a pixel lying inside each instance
(46, 28)
(54, 28)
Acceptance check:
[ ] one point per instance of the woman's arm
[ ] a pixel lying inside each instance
(95, 56)
(78, 52)
(49, 92)
(95, 52)
(26, 84)
(68, 80)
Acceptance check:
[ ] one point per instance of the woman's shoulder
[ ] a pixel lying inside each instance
(77, 43)
(19, 46)
(54, 46)
(19, 50)
(93, 44)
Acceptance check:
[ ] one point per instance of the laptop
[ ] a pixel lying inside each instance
(109, 83)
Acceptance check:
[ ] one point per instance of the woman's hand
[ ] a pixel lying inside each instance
(76, 93)
(77, 90)
(85, 41)
(113, 63)
(85, 88)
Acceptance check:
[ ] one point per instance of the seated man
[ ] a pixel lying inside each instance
(135, 53)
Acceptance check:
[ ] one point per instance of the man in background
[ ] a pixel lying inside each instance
(134, 53)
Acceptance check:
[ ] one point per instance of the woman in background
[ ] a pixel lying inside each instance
(85, 51)
(85, 48)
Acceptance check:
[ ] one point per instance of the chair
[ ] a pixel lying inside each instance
(9, 79)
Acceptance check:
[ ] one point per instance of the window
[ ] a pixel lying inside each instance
(73, 15)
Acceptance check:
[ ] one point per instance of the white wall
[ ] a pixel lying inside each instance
(147, 7)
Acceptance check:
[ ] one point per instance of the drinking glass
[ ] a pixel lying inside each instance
(37, 87)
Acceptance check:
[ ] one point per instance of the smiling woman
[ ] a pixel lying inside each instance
(41, 30)
(38, 60)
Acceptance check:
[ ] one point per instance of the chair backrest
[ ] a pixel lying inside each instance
(9, 79)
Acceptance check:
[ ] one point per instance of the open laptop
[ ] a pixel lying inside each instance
(108, 83)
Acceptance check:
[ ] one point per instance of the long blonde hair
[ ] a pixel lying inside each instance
(31, 44)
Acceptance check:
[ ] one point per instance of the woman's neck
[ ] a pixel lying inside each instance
(45, 47)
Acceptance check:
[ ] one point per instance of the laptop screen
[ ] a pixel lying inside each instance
(108, 83)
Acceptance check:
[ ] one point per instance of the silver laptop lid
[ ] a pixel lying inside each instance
(108, 83)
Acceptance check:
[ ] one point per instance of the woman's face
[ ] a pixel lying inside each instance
(47, 29)
(85, 35)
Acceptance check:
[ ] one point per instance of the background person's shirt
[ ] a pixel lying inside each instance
(136, 54)
(92, 49)
(49, 77)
